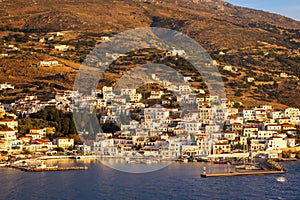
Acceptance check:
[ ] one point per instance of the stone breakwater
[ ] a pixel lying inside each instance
(275, 165)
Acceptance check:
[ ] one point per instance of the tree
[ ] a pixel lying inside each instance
(63, 122)
(237, 105)
(238, 93)
(110, 127)
(59, 149)
(27, 152)
(72, 128)
(70, 148)
(65, 126)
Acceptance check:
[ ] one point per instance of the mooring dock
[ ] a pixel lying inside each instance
(204, 175)
(33, 169)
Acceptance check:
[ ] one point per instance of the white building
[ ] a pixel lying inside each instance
(292, 112)
(276, 114)
(40, 131)
(192, 126)
(249, 114)
(276, 143)
(64, 142)
(128, 92)
(273, 127)
(156, 94)
(8, 135)
(250, 131)
(5, 86)
(160, 114)
(52, 63)
(61, 47)
(263, 135)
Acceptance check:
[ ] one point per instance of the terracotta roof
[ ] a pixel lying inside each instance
(251, 127)
(5, 130)
(287, 124)
(61, 138)
(25, 137)
(274, 137)
(236, 123)
(219, 143)
(7, 120)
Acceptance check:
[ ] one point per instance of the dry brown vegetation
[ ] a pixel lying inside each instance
(255, 42)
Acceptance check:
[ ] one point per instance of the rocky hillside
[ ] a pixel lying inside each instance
(254, 43)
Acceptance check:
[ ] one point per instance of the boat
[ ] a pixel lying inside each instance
(202, 159)
(3, 164)
(247, 167)
(147, 161)
(221, 162)
(281, 179)
(240, 167)
(252, 167)
(184, 159)
(134, 161)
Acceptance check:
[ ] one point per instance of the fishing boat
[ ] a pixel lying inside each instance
(202, 159)
(221, 162)
(247, 167)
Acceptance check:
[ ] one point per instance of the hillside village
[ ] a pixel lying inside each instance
(214, 127)
(257, 57)
(41, 52)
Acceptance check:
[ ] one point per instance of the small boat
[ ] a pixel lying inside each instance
(240, 167)
(221, 162)
(281, 179)
(3, 164)
(251, 167)
(184, 159)
(202, 159)
(147, 161)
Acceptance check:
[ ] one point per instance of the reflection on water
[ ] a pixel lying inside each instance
(135, 165)
(70, 162)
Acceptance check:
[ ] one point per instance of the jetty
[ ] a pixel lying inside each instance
(36, 165)
(204, 175)
(267, 167)
(42, 169)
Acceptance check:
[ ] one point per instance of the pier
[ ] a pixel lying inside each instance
(42, 169)
(204, 175)
(266, 167)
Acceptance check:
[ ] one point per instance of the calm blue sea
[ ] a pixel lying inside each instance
(177, 181)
